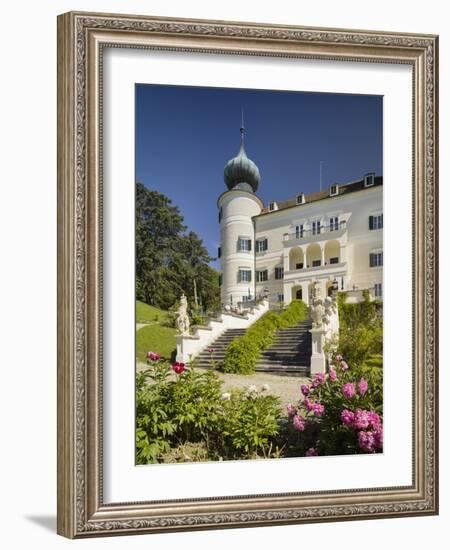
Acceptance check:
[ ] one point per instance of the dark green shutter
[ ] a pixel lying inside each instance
(372, 263)
(370, 222)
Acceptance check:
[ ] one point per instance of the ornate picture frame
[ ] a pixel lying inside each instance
(82, 38)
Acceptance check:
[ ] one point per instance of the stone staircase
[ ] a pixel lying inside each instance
(219, 345)
(290, 352)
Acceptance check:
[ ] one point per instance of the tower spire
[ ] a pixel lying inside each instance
(242, 129)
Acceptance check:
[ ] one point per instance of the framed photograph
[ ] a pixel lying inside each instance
(247, 282)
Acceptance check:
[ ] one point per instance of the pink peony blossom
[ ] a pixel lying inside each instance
(210, 350)
(363, 386)
(311, 452)
(304, 389)
(347, 418)
(348, 390)
(318, 409)
(153, 356)
(366, 441)
(291, 410)
(299, 423)
(343, 365)
(378, 437)
(374, 420)
(362, 419)
(308, 404)
(320, 378)
(332, 374)
(338, 358)
(179, 368)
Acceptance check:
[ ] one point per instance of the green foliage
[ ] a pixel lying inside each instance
(250, 422)
(155, 338)
(360, 329)
(243, 352)
(170, 261)
(173, 409)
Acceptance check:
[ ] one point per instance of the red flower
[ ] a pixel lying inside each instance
(153, 356)
(179, 368)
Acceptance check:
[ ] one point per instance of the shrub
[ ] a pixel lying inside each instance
(250, 421)
(243, 352)
(341, 412)
(173, 410)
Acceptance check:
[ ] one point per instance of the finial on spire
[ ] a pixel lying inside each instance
(242, 127)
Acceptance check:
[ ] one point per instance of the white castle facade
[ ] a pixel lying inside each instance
(333, 237)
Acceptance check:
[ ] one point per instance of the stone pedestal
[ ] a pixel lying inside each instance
(318, 359)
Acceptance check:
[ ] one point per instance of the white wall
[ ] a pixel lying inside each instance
(28, 275)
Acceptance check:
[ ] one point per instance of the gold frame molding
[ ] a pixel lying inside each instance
(81, 39)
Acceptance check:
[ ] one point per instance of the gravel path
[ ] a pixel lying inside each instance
(286, 387)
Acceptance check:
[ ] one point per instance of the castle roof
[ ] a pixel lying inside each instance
(343, 189)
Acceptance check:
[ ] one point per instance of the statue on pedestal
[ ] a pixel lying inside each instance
(182, 322)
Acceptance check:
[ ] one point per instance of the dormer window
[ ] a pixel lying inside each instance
(369, 179)
(273, 206)
(334, 190)
(301, 198)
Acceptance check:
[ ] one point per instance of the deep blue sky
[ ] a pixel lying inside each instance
(186, 135)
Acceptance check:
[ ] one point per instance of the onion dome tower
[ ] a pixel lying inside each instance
(237, 206)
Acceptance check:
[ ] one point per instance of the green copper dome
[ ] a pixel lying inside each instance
(241, 172)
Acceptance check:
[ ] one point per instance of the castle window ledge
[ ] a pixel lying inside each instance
(322, 269)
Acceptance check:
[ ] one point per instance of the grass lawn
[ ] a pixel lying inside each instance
(155, 338)
(149, 314)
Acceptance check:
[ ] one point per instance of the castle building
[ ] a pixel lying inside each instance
(333, 237)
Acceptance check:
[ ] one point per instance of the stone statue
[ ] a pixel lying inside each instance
(182, 321)
(317, 313)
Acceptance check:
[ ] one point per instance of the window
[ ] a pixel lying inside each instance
(369, 179)
(272, 206)
(244, 275)
(261, 276)
(334, 260)
(299, 231)
(334, 223)
(220, 214)
(376, 259)
(378, 290)
(316, 228)
(334, 190)
(279, 272)
(299, 266)
(219, 252)
(244, 244)
(281, 297)
(246, 298)
(261, 245)
(376, 222)
(316, 263)
(300, 198)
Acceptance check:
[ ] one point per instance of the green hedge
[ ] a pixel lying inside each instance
(243, 352)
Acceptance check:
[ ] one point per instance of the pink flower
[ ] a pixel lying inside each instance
(366, 441)
(308, 404)
(320, 378)
(374, 420)
(318, 409)
(363, 386)
(332, 374)
(304, 389)
(291, 410)
(299, 423)
(311, 452)
(378, 437)
(347, 418)
(210, 350)
(179, 368)
(348, 390)
(343, 365)
(153, 356)
(362, 419)
(338, 358)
